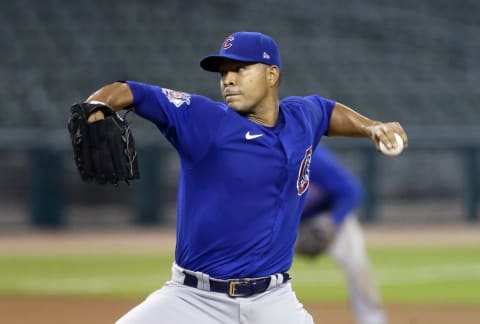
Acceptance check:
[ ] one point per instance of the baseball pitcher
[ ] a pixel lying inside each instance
(244, 175)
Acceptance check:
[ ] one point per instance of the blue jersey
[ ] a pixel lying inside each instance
(333, 188)
(241, 185)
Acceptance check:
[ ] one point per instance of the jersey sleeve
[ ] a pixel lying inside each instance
(321, 114)
(341, 191)
(188, 121)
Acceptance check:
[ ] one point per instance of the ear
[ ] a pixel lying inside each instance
(273, 74)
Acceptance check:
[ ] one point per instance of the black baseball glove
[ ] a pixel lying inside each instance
(315, 235)
(104, 150)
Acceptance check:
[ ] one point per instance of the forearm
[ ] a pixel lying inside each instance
(347, 122)
(116, 95)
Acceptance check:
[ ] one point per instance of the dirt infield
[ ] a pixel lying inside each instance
(53, 310)
(163, 239)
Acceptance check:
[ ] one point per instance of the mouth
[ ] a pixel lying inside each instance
(230, 93)
(229, 97)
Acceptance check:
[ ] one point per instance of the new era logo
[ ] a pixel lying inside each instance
(266, 56)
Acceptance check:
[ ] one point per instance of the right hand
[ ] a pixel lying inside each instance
(385, 133)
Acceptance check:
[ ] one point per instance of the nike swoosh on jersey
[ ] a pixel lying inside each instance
(249, 136)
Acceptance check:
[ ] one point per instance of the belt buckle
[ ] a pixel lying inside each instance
(232, 287)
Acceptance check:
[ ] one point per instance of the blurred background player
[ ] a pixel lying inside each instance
(329, 225)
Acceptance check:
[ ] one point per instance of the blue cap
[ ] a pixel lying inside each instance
(245, 47)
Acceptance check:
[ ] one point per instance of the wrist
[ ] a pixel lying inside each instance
(369, 130)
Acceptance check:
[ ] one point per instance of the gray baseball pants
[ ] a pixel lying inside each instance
(177, 303)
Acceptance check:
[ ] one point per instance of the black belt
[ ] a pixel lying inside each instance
(236, 287)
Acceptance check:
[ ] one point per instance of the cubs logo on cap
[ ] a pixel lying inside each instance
(244, 47)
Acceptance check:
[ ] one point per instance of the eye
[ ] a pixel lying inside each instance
(237, 68)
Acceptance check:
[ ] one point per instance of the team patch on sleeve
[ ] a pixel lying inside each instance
(304, 172)
(177, 98)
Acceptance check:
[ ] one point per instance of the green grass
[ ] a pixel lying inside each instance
(405, 275)
(102, 275)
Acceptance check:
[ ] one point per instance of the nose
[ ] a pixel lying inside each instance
(229, 78)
